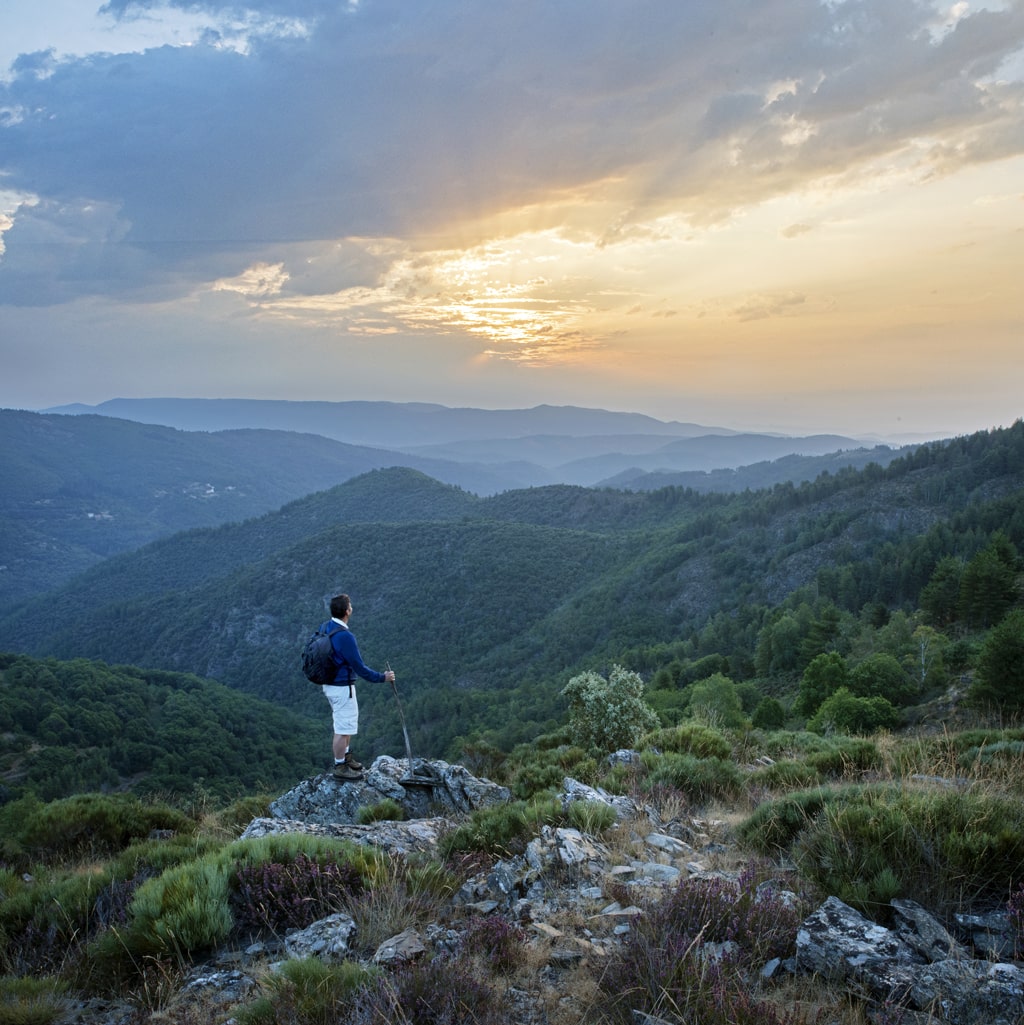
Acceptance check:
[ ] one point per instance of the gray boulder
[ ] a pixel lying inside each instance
(918, 965)
(572, 790)
(420, 836)
(439, 789)
(329, 939)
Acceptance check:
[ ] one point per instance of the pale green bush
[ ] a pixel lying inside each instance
(608, 714)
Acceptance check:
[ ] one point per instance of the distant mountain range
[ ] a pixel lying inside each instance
(80, 487)
(490, 450)
(388, 424)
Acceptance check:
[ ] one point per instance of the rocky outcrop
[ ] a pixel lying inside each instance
(917, 965)
(430, 789)
(420, 836)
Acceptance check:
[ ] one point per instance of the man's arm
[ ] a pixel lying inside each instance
(346, 646)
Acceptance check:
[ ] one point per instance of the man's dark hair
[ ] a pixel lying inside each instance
(340, 604)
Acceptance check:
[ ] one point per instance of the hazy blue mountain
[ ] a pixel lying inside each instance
(387, 424)
(795, 469)
(706, 453)
(78, 489)
(81, 488)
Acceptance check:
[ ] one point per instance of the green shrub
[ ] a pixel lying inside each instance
(32, 1001)
(536, 778)
(387, 809)
(689, 738)
(792, 744)
(945, 848)
(151, 857)
(700, 779)
(285, 847)
(429, 879)
(608, 714)
(1001, 751)
(845, 712)
(881, 675)
(87, 825)
(240, 813)
(999, 675)
(768, 714)
(307, 992)
(592, 817)
(716, 701)
(181, 911)
(786, 775)
(845, 755)
(774, 826)
(822, 677)
(948, 754)
(501, 830)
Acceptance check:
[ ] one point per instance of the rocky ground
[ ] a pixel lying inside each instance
(558, 890)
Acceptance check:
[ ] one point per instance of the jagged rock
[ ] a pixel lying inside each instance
(327, 939)
(231, 987)
(969, 992)
(323, 800)
(669, 845)
(624, 756)
(992, 935)
(916, 927)
(572, 790)
(406, 946)
(839, 943)
(836, 942)
(654, 872)
(419, 836)
(568, 848)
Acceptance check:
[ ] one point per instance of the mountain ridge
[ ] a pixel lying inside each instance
(497, 594)
(85, 487)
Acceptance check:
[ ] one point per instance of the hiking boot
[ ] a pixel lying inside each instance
(352, 763)
(346, 774)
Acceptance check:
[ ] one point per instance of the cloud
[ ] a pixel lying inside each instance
(761, 307)
(320, 160)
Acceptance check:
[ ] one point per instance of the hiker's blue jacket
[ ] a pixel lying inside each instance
(347, 657)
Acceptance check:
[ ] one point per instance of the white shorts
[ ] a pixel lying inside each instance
(344, 709)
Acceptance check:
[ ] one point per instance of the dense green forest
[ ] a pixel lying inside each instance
(487, 606)
(76, 726)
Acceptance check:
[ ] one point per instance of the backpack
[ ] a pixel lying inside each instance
(318, 663)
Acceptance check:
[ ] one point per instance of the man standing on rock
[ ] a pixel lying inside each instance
(342, 693)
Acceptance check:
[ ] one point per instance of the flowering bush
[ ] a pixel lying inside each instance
(609, 714)
(443, 991)
(279, 896)
(668, 961)
(501, 943)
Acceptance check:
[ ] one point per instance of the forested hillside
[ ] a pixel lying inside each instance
(70, 727)
(78, 489)
(485, 607)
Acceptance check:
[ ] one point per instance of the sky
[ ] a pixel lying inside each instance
(790, 215)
